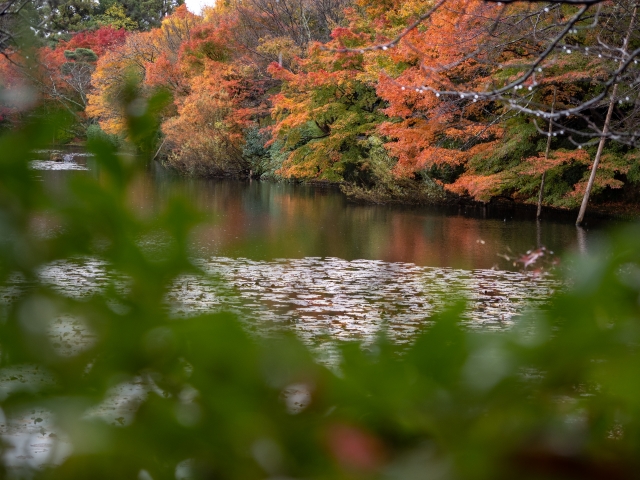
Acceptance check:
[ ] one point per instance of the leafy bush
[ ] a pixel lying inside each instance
(376, 182)
(95, 133)
(263, 160)
(557, 397)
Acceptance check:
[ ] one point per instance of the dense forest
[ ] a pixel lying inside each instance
(417, 101)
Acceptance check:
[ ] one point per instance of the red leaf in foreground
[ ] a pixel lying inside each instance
(355, 448)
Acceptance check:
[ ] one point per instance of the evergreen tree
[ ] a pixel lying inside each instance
(147, 14)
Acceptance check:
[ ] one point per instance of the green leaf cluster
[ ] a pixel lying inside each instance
(84, 55)
(116, 16)
(333, 144)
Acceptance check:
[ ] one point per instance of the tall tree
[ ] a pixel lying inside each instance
(147, 56)
(147, 14)
(325, 112)
(607, 123)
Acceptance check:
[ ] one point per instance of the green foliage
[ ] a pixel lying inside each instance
(59, 19)
(263, 160)
(85, 55)
(559, 183)
(66, 16)
(520, 141)
(634, 174)
(278, 154)
(445, 173)
(144, 14)
(555, 397)
(116, 17)
(377, 183)
(332, 145)
(96, 134)
(81, 66)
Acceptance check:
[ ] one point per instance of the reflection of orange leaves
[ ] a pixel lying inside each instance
(532, 256)
(355, 448)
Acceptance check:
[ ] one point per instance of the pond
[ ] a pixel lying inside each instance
(300, 258)
(266, 221)
(304, 257)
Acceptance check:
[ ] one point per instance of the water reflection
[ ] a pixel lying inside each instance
(293, 257)
(582, 239)
(56, 160)
(301, 256)
(354, 300)
(264, 221)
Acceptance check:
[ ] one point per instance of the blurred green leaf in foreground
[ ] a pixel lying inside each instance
(556, 397)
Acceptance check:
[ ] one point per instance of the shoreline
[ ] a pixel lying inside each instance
(596, 213)
(410, 194)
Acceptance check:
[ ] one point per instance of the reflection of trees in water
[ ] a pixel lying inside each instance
(265, 221)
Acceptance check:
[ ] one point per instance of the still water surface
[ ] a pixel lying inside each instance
(266, 221)
(304, 258)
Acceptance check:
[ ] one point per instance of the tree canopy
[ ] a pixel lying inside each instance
(453, 96)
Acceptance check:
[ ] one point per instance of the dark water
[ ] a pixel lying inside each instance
(266, 221)
(305, 258)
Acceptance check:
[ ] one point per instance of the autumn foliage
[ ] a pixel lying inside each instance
(469, 145)
(62, 74)
(324, 113)
(206, 135)
(343, 92)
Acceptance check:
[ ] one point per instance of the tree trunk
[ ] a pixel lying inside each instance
(546, 156)
(596, 161)
(605, 129)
